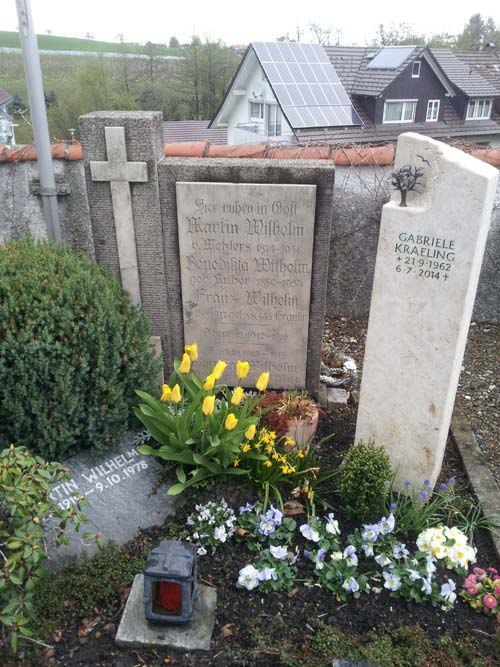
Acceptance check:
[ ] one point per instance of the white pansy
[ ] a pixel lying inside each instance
(278, 552)
(249, 577)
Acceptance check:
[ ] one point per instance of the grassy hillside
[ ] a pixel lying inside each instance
(56, 43)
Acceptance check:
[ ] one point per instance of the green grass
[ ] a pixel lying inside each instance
(56, 43)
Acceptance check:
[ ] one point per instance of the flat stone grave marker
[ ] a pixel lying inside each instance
(428, 263)
(246, 266)
(120, 488)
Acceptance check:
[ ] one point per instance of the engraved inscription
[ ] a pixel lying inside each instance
(422, 256)
(246, 265)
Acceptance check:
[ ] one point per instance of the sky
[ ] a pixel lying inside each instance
(236, 22)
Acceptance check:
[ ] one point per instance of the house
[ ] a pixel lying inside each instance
(6, 124)
(175, 131)
(303, 93)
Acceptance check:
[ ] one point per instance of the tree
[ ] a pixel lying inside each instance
(477, 33)
(174, 43)
(322, 35)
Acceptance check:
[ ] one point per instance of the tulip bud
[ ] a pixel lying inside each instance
(220, 367)
(261, 383)
(209, 382)
(242, 369)
(166, 393)
(185, 366)
(207, 406)
(175, 396)
(192, 350)
(230, 422)
(238, 396)
(250, 432)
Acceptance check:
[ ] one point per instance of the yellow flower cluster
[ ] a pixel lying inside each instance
(266, 443)
(169, 394)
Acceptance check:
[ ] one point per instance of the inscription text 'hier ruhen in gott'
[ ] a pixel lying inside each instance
(246, 267)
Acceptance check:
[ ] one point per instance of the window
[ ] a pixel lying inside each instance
(399, 111)
(415, 70)
(256, 110)
(273, 120)
(432, 111)
(479, 110)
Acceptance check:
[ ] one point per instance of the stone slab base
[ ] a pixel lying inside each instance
(135, 630)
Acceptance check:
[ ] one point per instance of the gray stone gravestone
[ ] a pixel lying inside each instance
(123, 495)
(428, 263)
(246, 266)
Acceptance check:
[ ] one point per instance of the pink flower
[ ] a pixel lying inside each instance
(490, 601)
(481, 574)
(497, 590)
(471, 579)
(471, 589)
(492, 570)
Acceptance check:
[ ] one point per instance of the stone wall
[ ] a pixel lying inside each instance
(359, 195)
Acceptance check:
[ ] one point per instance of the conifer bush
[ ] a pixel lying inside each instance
(364, 482)
(73, 350)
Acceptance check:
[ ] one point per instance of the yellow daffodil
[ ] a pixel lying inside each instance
(245, 448)
(166, 393)
(268, 463)
(242, 369)
(192, 350)
(250, 432)
(238, 396)
(230, 422)
(300, 454)
(261, 383)
(236, 463)
(185, 366)
(175, 396)
(209, 382)
(276, 456)
(207, 407)
(289, 442)
(219, 368)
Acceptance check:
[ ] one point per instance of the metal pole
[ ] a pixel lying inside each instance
(33, 74)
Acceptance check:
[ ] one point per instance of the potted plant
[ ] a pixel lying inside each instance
(292, 415)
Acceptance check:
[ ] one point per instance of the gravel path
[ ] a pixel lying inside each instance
(478, 392)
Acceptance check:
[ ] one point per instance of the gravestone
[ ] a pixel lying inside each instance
(428, 262)
(147, 258)
(246, 266)
(123, 493)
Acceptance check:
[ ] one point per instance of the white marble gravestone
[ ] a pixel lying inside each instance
(246, 267)
(428, 263)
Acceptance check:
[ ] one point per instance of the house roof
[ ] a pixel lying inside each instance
(193, 130)
(463, 72)
(451, 126)
(485, 63)
(353, 64)
(5, 97)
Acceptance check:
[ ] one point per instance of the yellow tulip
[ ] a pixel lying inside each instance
(242, 369)
(261, 383)
(230, 422)
(207, 407)
(192, 350)
(220, 367)
(209, 382)
(250, 432)
(175, 396)
(238, 396)
(185, 366)
(166, 393)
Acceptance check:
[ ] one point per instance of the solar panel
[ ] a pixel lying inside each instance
(390, 57)
(306, 85)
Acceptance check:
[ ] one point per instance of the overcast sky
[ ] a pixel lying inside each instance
(237, 22)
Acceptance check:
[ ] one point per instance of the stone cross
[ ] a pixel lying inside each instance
(428, 263)
(120, 174)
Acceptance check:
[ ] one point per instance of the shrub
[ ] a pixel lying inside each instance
(25, 504)
(363, 480)
(73, 349)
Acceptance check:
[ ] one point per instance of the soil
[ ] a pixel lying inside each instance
(249, 624)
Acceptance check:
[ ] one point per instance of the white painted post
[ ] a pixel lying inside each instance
(428, 263)
(120, 174)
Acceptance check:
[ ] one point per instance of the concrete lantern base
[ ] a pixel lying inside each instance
(135, 630)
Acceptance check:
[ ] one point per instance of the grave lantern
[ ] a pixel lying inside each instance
(170, 582)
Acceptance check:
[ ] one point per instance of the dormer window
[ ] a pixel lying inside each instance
(257, 111)
(399, 111)
(478, 110)
(415, 69)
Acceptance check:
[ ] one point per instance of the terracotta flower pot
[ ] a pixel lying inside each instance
(302, 431)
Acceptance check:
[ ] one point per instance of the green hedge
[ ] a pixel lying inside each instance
(73, 350)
